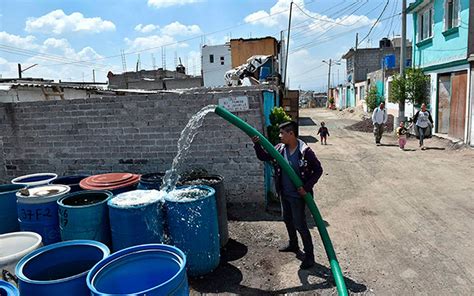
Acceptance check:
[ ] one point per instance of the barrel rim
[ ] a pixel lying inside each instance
(9, 288)
(27, 250)
(101, 265)
(69, 195)
(43, 199)
(18, 179)
(60, 178)
(211, 192)
(17, 186)
(213, 176)
(144, 177)
(19, 267)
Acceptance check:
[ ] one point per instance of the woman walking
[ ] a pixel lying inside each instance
(423, 121)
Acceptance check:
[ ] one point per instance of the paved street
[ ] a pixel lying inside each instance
(401, 222)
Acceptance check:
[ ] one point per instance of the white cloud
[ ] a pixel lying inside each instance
(152, 42)
(177, 28)
(313, 22)
(168, 3)
(18, 41)
(56, 59)
(261, 17)
(57, 22)
(146, 28)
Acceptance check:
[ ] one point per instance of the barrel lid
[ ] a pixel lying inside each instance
(43, 193)
(109, 181)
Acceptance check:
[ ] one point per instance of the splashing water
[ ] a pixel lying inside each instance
(187, 136)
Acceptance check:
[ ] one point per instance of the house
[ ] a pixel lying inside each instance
(216, 61)
(243, 49)
(37, 89)
(470, 55)
(159, 79)
(440, 50)
(362, 61)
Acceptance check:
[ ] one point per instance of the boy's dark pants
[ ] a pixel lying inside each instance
(293, 210)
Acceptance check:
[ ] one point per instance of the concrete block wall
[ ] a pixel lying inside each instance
(130, 133)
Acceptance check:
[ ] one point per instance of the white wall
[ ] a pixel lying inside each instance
(213, 73)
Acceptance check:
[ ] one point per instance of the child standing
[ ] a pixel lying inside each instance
(324, 133)
(402, 135)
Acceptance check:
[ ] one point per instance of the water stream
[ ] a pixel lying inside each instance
(187, 136)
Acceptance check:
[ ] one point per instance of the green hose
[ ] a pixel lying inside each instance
(251, 132)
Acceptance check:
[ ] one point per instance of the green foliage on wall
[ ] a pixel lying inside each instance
(277, 117)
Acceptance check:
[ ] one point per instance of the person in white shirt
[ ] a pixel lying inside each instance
(423, 121)
(379, 118)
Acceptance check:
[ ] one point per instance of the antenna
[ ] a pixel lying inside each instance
(153, 61)
(138, 63)
(163, 57)
(124, 62)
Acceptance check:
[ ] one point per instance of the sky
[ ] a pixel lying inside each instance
(73, 40)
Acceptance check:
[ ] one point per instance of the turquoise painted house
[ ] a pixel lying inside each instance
(440, 48)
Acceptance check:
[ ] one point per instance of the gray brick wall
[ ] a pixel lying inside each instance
(131, 133)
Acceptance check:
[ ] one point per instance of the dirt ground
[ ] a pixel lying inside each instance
(402, 222)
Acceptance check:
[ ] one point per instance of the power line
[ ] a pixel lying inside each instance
(376, 22)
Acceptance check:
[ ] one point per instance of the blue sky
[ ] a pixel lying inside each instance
(68, 39)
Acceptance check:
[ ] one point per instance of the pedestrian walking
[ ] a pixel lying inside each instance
(423, 125)
(402, 135)
(379, 118)
(323, 132)
(305, 163)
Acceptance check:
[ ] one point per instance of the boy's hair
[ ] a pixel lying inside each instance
(290, 126)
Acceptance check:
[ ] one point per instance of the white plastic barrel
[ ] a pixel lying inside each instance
(14, 246)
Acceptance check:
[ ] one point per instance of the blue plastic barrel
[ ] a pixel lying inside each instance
(151, 181)
(85, 215)
(7, 289)
(71, 181)
(151, 270)
(38, 211)
(34, 180)
(192, 224)
(136, 218)
(8, 213)
(59, 269)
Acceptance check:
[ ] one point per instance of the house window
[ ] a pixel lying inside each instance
(426, 24)
(451, 14)
(211, 58)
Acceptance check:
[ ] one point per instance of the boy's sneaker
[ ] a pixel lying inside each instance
(289, 248)
(308, 262)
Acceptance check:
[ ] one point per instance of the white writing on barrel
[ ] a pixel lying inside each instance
(240, 103)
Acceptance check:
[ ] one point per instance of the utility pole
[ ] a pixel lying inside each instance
(330, 63)
(288, 46)
(93, 75)
(329, 77)
(401, 104)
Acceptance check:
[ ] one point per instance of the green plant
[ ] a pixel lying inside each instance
(414, 87)
(397, 89)
(331, 101)
(372, 98)
(277, 117)
(417, 86)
